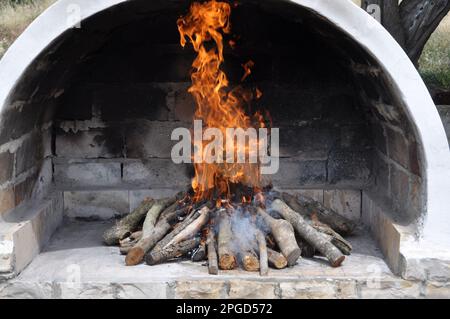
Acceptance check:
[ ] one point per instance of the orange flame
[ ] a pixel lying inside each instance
(216, 105)
(248, 69)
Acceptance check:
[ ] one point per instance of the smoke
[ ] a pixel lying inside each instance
(245, 223)
(244, 231)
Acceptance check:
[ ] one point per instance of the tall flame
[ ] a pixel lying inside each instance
(216, 105)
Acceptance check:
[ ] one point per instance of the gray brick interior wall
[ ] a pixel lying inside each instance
(97, 108)
(397, 182)
(112, 129)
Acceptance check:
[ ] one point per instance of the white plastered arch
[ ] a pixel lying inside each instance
(343, 14)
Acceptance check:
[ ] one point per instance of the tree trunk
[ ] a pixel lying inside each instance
(411, 22)
(389, 15)
(420, 18)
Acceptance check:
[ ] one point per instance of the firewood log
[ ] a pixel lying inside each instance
(283, 232)
(172, 251)
(126, 241)
(136, 235)
(153, 214)
(249, 259)
(193, 228)
(152, 233)
(246, 254)
(177, 229)
(128, 224)
(133, 238)
(308, 233)
(307, 207)
(175, 202)
(227, 259)
(125, 249)
(213, 267)
(343, 245)
(276, 260)
(136, 254)
(308, 251)
(263, 258)
(200, 253)
(270, 241)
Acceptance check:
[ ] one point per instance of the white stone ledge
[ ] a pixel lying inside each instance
(24, 231)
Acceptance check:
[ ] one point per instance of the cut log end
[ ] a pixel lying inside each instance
(213, 269)
(134, 256)
(114, 235)
(250, 262)
(293, 257)
(227, 262)
(276, 259)
(199, 254)
(227, 259)
(280, 263)
(337, 263)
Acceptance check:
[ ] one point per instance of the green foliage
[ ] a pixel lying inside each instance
(435, 60)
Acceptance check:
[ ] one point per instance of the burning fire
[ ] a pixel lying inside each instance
(217, 105)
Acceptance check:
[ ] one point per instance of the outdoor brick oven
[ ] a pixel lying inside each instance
(87, 115)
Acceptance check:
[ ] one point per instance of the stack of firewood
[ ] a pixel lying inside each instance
(285, 227)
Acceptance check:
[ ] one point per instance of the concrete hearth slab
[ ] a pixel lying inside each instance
(75, 264)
